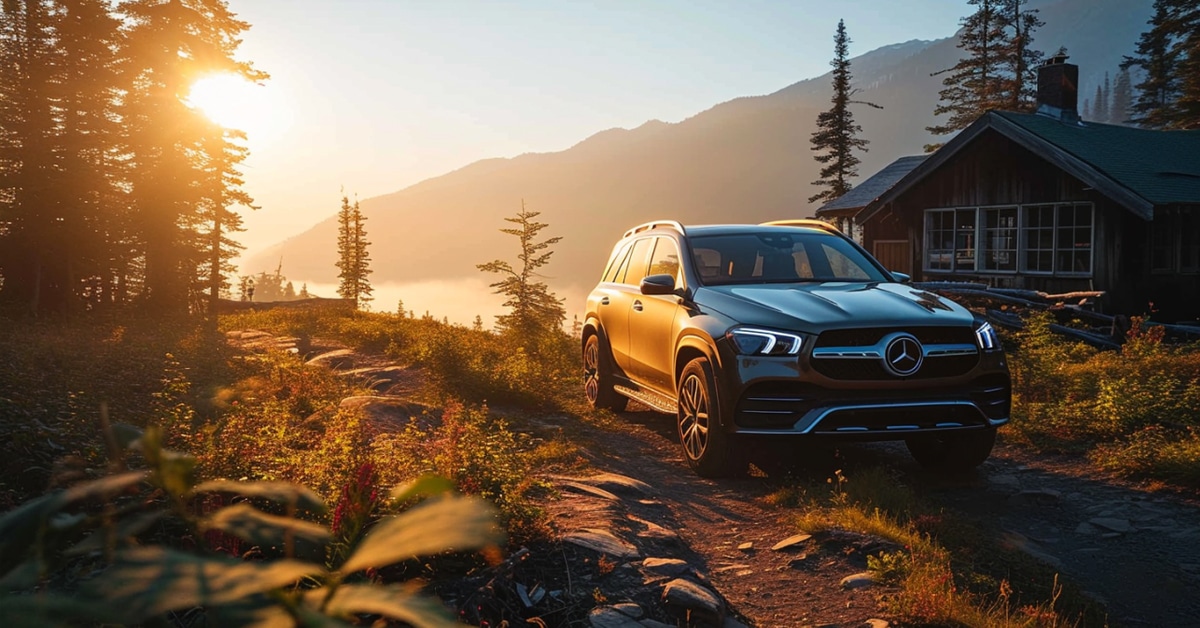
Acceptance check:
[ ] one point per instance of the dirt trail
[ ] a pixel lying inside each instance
(1135, 551)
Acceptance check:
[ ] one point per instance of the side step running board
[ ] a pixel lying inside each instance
(654, 400)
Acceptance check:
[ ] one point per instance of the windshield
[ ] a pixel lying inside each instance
(779, 257)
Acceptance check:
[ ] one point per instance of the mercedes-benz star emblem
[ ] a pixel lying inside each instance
(903, 355)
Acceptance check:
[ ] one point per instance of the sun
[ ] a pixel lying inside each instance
(234, 103)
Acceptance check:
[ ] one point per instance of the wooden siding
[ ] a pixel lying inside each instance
(993, 171)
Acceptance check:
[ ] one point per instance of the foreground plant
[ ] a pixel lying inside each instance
(88, 552)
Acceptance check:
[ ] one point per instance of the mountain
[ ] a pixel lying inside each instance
(746, 160)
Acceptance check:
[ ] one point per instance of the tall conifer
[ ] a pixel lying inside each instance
(837, 133)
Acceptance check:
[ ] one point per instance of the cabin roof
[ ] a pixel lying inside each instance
(1137, 168)
(862, 194)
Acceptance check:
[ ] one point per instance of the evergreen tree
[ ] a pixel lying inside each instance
(1107, 95)
(181, 176)
(353, 259)
(1018, 60)
(303, 291)
(533, 309)
(837, 133)
(1100, 110)
(1122, 98)
(1087, 110)
(477, 324)
(1156, 104)
(1188, 30)
(998, 70)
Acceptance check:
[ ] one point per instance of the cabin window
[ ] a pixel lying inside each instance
(1000, 238)
(1054, 238)
(1189, 240)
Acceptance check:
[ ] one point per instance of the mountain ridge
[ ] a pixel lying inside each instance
(743, 160)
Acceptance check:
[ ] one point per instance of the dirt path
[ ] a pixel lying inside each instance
(1135, 551)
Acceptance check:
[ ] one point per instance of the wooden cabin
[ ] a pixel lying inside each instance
(1045, 201)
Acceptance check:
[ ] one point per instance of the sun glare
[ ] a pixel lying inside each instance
(235, 103)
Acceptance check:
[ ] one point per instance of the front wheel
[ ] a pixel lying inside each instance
(597, 377)
(953, 451)
(706, 447)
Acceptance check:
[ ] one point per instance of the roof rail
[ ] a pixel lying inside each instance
(804, 222)
(654, 224)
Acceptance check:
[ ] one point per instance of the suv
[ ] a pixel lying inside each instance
(788, 329)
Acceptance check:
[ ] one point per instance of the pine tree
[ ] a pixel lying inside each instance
(477, 324)
(1107, 96)
(1099, 110)
(353, 259)
(1122, 98)
(998, 71)
(533, 309)
(836, 131)
(1156, 104)
(1188, 46)
(1087, 110)
(175, 161)
(1019, 61)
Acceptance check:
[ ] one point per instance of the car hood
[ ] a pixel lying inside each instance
(814, 307)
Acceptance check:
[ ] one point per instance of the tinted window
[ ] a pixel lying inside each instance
(616, 264)
(780, 257)
(637, 262)
(665, 260)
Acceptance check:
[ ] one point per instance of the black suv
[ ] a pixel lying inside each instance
(788, 329)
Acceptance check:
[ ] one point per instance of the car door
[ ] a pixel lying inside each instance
(616, 309)
(652, 323)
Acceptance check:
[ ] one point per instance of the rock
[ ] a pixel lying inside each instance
(1113, 524)
(732, 623)
(619, 484)
(1039, 496)
(1018, 541)
(1005, 481)
(654, 623)
(1085, 528)
(603, 542)
(791, 541)
(692, 600)
(630, 609)
(609, 617)
(338, 359)
(875, 623)
(858, 580)
(747, 546)
(667, 567)
(589, 490)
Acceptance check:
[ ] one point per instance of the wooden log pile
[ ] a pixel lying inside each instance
(1005, 307)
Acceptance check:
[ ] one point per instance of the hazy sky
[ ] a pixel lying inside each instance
(376, 95)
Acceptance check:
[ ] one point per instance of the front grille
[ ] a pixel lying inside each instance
(868, 336)
(899, 420)
(872, 369)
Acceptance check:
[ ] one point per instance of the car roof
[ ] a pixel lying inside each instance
(703, 230)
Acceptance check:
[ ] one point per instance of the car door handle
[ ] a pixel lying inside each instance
(604, 301)
(637, 306)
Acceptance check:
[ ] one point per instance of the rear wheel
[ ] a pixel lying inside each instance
(953, 451)
(597, 377)
(706, 447)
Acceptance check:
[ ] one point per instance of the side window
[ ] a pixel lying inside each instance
(637, 262)
(708, 264)
(665, 260)
(616, 265)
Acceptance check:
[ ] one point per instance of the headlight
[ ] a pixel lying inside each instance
(749, 341)
(986, 338)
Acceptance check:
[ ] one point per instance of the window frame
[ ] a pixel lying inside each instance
(979, 234)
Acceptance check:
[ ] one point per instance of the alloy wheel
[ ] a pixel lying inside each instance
(693, 417)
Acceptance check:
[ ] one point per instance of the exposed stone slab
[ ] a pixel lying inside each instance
(791, 541)
(604, 542)
(691, 598)
(858, 580)
(668, 567)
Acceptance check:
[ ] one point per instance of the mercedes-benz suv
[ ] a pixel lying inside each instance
(788, 330)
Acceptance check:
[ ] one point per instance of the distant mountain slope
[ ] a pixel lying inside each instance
(745, 160)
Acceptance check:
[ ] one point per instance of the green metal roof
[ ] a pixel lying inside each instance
(1162, 167)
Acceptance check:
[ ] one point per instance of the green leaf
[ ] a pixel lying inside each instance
(424, 486)
(124, 529)
(21, 527)
(396, 602)
(449, 523)
(250, 524)
(148, 581)
(280, 492)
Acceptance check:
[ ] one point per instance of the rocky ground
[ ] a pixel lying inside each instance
(644, 542)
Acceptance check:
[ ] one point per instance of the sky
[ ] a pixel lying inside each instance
(372, 96)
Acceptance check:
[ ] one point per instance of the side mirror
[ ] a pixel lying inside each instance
(901, 277)
(658, 284)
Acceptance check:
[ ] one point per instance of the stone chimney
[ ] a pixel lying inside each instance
(1058, 89)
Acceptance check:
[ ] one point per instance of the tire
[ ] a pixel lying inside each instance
(597, 377)
(952, 451)
(706, 446)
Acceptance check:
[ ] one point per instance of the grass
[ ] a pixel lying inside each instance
(1135, 412)
(950, 571)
